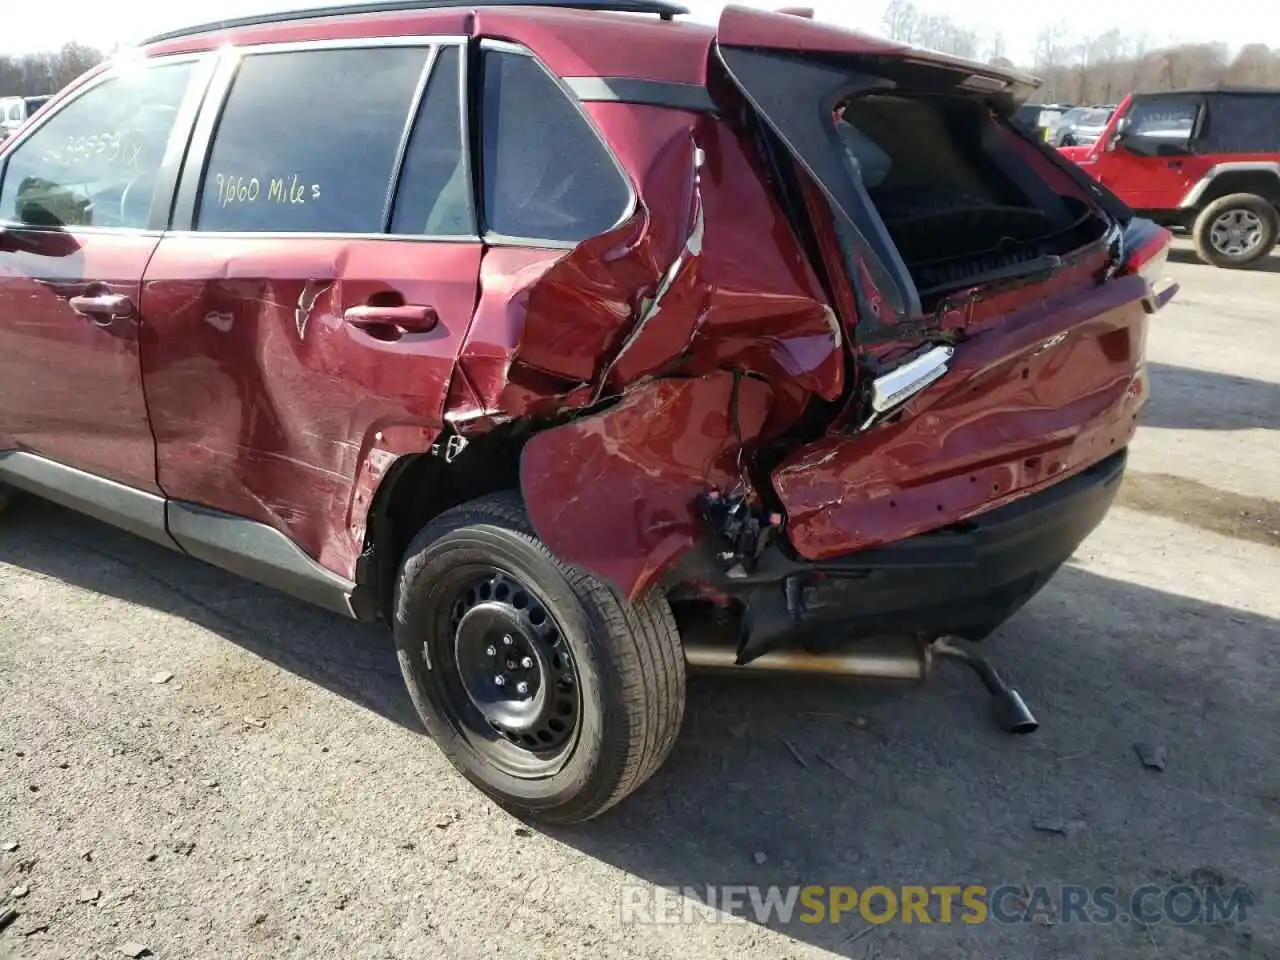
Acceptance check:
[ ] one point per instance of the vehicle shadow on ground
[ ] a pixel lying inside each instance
(1183, 398)
(354, 660)
(1268, 264)
(778, 781)
(832, 782)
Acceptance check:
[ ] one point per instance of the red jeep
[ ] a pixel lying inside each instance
(549, 335)
(1206, 161)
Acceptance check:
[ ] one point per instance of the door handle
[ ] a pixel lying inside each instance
(392, 322)
(103, 308)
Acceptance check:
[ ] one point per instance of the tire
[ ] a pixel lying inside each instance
(612, 672)
(5, 498)
(1218, 244)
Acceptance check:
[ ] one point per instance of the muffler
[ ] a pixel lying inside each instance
(891, 658)
(907, 659)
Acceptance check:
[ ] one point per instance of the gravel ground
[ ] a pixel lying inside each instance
(194, 765)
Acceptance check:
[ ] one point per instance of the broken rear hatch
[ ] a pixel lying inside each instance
(999, 296)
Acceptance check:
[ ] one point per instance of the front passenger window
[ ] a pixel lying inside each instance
(1162, 127)
(94, 163)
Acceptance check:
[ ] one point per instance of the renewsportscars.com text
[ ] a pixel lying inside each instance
(1180, 904)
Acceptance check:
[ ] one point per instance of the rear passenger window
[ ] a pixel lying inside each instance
(547, 175)
(1242, 123)
(435, 183)
(308, 141)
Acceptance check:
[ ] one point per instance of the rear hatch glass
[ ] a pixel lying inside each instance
(933, 191)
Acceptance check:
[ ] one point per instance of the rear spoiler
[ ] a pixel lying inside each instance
(1005, 87)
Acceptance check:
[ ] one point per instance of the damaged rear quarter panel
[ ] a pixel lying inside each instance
(628, 476)
(1054, 389)
(737, 293)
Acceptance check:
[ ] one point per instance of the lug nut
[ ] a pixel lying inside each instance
(500, 680)
(526, 662)
(507, 641)
(522, 688)
(491, 650)
(511, 664)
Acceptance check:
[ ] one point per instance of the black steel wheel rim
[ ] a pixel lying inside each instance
(506, 671)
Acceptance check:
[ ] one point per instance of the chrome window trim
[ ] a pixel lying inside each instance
(321, 235)
(343, 43)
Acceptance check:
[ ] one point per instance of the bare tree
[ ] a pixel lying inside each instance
(901, 21)
(1052, 46)
(995, 50)
(34, 74)
(1254, 66)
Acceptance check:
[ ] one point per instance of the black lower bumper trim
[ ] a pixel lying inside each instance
(961, 581)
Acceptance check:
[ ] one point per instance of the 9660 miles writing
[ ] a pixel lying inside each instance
(283, 190)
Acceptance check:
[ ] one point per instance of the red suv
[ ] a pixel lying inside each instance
(1206, 161)
(550, 335)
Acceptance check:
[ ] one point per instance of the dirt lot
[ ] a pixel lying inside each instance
(274, 797)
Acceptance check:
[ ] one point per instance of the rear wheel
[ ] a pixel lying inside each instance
(541, 685)
(1236, 231)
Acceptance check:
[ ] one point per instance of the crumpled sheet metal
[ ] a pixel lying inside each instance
(625, 481)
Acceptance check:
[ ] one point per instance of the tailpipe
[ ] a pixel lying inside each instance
(908, 658)
(1010, 709)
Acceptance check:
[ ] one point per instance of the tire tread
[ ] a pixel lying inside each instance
(642, 644)
(1211, 211)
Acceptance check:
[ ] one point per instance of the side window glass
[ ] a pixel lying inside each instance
(547, 175)
(1241, 123)
(435, 182)
(95, 162)
(307, 141)
(1168, 119)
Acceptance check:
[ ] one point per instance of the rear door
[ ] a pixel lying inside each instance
(304, 315)
(83, 197)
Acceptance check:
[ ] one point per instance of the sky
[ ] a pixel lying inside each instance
(27, 27)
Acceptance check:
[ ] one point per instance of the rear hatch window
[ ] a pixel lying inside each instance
(933, 191)
(957, 202)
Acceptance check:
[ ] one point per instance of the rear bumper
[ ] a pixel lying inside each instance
(963, 581)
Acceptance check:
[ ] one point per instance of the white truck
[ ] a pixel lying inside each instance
(14, 112)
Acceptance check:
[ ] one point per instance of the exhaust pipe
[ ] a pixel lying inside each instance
(907, 658)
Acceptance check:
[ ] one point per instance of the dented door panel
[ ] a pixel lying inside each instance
(267, 404)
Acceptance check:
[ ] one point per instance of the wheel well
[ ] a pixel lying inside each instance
(1258, 182)
(416, 489)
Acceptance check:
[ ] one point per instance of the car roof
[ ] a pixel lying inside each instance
(574, 37)
(663, 8)
(1212, 91)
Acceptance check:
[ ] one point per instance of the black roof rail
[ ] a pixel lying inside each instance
(1220, 88)
(665, 9)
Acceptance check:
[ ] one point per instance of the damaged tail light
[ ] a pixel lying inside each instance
(1144, 251)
